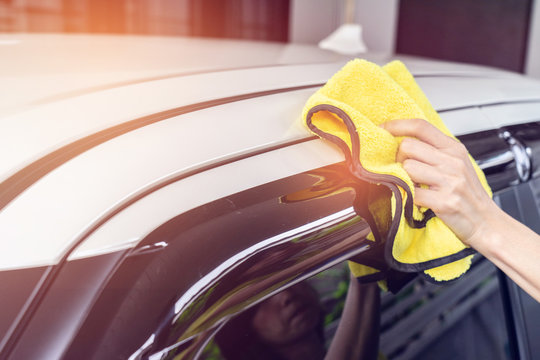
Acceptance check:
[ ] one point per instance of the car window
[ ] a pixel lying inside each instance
(418, 322)
(302, 322)
(220, 258)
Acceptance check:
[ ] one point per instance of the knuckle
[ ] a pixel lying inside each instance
(456, 185)
(458, 165)
(453, 203)
(442, 206)
(450, 204)
(462, 150)
(407, 164)
(460, 185)
(405, 145)
(418, 124)
(411, 146)
(463, 166)
(423, 122)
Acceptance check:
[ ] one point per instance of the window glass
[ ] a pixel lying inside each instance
(421, 321)
(302, 321)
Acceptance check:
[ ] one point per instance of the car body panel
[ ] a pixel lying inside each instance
(459, 120)
(40, 130)
(132, 167)
(41, 68)
(247, 129)
(69, 298)
(446, 93)
(126, 165)
(20, 285)
(35, 131)
(509, 114)
(92, 168)
(236, 245)
(215, 183)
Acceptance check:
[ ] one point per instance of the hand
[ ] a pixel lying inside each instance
(455, 193)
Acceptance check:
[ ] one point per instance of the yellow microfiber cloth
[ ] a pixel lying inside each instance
(348, 111)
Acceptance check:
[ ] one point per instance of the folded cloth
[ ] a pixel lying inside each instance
(348, 111)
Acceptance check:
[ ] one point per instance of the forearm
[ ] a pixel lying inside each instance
(357, 336)
(512, 247)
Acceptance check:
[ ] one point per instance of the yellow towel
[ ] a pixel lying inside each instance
(348, 111)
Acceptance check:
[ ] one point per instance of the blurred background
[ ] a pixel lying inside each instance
(499, 33)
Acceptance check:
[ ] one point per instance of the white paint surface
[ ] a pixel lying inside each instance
(39, 68)
(141, 218)
(42, 222)
(509, 114)
(40, 225)
(466, 121)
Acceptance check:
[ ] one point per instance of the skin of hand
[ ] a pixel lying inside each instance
(455, 194)
(357, 335)
(457, 197)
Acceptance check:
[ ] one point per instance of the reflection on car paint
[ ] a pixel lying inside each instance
(277, 250)
(262, 271)
(301, 323)
(294, 316)
(326, 184)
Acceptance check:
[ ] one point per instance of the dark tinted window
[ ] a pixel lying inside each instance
(302, 322)
(422, 321)
(207, 264)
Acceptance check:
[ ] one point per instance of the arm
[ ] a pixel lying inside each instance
(357, 335)
(459, 200)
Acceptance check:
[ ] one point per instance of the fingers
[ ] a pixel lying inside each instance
(422, 173)
(420, 129)
(426, 197)
(430, 157)
(436, 156)
(411, 148)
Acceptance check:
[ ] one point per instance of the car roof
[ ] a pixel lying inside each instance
(41, 68)
(53, 148)
(58, 89)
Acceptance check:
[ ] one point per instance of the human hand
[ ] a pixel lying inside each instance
(455, 193)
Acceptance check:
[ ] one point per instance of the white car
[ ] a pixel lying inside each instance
(153, 188)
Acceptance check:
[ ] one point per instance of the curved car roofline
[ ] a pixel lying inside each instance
(75, 64)
(25, 164)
